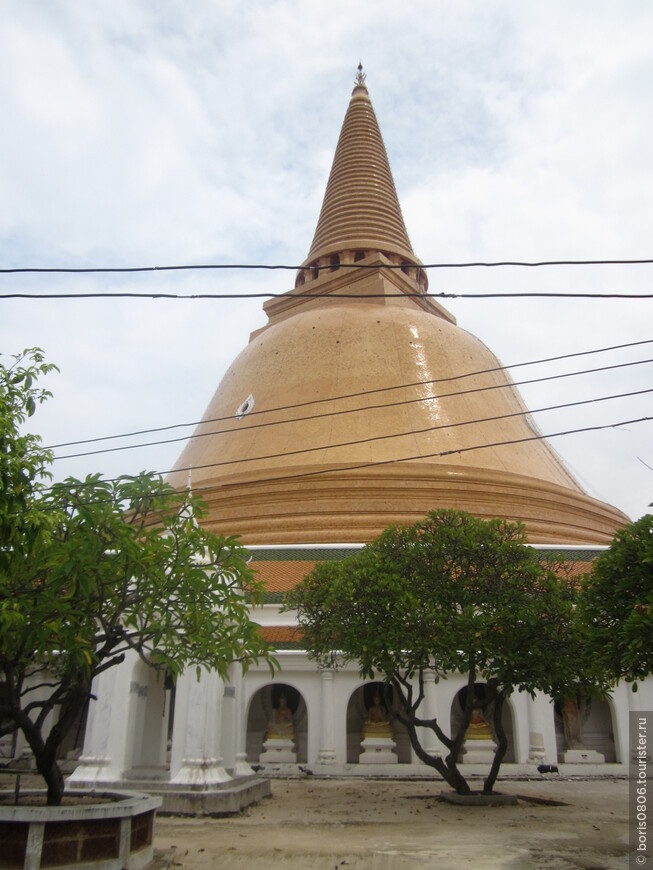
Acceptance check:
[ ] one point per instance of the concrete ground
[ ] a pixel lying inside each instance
(315, 824)
(560, 823)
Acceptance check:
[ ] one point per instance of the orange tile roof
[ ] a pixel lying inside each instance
(281, 576)
(280, 634)
(572, 572)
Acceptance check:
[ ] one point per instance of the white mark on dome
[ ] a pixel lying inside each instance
(245, 408)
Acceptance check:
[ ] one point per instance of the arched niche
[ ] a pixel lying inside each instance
(358, 709)
(260, 714)
(590, 724)
(482, 718)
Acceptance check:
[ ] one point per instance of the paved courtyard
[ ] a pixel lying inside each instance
(315, 824)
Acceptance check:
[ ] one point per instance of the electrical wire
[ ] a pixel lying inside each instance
(439, 454)
(410, 432)
(354, 395)
(365, 465)
(73, 270)
(292, 295)
(359, 409)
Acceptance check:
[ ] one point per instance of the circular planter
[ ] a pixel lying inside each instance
(113, 835)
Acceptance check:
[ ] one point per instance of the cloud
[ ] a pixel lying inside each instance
(152, 134)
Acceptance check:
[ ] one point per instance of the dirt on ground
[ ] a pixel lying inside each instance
(322, 824)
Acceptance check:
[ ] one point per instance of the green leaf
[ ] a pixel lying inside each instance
(450, 593)
(84, 579)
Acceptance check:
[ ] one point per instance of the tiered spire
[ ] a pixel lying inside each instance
(361, 211)
(361, 464)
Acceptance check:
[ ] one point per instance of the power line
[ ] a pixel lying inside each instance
(405, 434)
(545, 437)
(73, 270)
(374, 464)
(353, 395)
(359, 409)
(292, 295)
(364, 465)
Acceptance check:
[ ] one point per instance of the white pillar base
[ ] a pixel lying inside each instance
(93, 769)
(536, 752)
(327, 756)
(242, 766)
(202, 772)
(378, 750)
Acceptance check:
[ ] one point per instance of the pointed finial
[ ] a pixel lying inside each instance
(360, 75)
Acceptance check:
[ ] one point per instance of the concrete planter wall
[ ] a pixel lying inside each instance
(116, 835)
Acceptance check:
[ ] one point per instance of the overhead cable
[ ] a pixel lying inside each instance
(302, 295)
(393, 435)
(356, 394)
(436, 455)
(359, 409)
(373, 464)
(188, 267)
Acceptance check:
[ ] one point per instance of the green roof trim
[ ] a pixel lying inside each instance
(310, 554)
(273, 597)
(323, 554)
(563, 555)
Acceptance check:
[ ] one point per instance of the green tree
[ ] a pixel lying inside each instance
(450, 594)
(24, 463)
(92, 569)
(616, 604)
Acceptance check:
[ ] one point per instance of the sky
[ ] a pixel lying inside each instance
(171, 133)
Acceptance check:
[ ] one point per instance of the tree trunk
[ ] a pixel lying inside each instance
(45, 751)
(461, 784)
(455, 778)
(447, 769)
(53, 777)
(502, 744)
(46, 764)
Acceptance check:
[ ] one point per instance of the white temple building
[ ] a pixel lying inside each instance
(360, 403)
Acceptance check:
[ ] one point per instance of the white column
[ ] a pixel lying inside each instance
(536, 748)
(327, 751)
(241, 765)
(430, 710)
(542, 742)
(196, 759)
(227, 735)
(107, 741)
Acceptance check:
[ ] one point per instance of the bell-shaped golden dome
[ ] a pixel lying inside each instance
(362, 403)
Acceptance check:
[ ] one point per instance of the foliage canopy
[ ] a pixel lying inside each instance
(450, 594)
(93, 569)
(617, 603)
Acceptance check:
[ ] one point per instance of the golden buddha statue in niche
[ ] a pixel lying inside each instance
(377, 723)
(281, 726)
(571, 723)
(478, 728)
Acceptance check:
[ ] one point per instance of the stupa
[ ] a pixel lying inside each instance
(360, 403)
